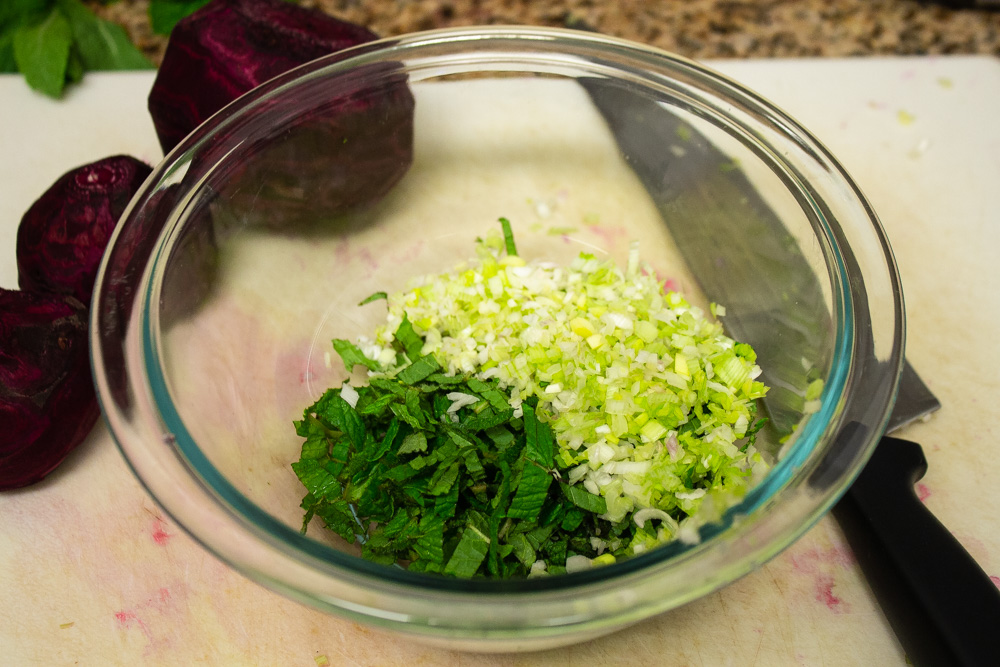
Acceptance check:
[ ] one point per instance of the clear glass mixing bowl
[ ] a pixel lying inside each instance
(250, 246)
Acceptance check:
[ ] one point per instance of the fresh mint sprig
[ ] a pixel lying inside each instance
(54, 42)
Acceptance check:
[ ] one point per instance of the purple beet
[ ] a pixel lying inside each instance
(63, 235)
(47, 401)
(230, 46)
(315, 155)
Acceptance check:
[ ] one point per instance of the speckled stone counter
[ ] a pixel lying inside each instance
(699, 29)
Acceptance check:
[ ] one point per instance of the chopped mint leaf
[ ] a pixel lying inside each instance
(539, 439)
(377, 296)
(408, 339)
(469, 553)
(414, 442)
(419, 370)
(353, 356)
(584, 499)
(532, 491)
(338, 414)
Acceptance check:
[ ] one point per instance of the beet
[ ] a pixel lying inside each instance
(230, 46)
(329, 149)
(62, 237)
(47, 400)
(307, 166)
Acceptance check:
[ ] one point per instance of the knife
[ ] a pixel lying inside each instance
(941, 605)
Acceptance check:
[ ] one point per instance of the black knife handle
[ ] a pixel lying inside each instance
(943, 608)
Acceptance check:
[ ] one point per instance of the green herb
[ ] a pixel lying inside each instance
(452, 474)
(508, 237)
(462, 492)
(352, 355)
(164, 14)
(41, 51)
(53, 42)
(377, 296)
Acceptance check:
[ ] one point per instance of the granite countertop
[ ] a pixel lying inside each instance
(699, 29)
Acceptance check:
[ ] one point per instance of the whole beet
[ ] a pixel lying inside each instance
(332, 148)
(47, 401)
(230, 46)
(62, 236)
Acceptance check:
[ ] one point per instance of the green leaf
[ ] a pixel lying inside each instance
(531, 492)
(522, 549)
(102, 45)
(430, 544)
(444, 479)
(572, 520)
(538, 439)
(395, 527)
(508, 236)
(338, 517)
(584, 499)
(42, 52)
(486, 419)
(402, 472)
(377, 296)
(404, 413)
(412, 401)
(14, 13)
(494, 396)
(339, 414)
(408, 339)
(318, 482)
(419, 370)
(501, 437)
(164, 14)
(446, 505)
(375, 453)
(338, 457)
(8, 64)
(352, 355)
(441, 378)
(377, 406)
(414, 442)
(469, 553)
(315, 447)
(556, 551)
(74, 67)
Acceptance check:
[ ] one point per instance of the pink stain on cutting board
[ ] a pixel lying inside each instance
(669, 284)
(128, 619)
(158, 605)
(407, 253)
(824, 594)
(609, 235)
(159, 532)
(820, 565)
(923, 493)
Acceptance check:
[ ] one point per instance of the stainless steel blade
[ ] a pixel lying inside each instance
(738, 250)
(914, 400)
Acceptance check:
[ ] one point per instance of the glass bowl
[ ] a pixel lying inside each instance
(252, 243)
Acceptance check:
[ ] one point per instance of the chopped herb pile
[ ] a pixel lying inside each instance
(436, 470)
(523, 418)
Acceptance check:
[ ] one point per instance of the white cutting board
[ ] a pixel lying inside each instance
(91, 573)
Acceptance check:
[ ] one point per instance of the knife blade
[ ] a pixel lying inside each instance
(941, 605)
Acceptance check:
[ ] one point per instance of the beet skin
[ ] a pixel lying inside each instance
(333, 147)
(63, 235)
(230, 46)
(47, 400)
